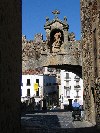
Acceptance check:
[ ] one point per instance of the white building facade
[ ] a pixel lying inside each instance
(71, 88)
(46, 85)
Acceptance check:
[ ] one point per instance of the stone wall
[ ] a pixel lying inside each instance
(10, 65)
(90, 22)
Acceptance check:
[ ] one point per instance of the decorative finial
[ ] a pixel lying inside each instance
(56, 12)
(65, 19)
(47, 19)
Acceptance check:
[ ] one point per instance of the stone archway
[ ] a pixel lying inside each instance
(11, 119)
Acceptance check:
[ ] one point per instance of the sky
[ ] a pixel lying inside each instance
(34, 13)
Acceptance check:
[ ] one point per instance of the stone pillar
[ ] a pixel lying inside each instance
(90, 23)
(10, 65)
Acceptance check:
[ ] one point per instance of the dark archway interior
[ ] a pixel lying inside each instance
(71, 68)
(53, 32)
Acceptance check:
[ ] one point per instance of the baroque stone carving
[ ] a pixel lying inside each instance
(57, 42)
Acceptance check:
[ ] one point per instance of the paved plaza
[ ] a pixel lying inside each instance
(54, 122)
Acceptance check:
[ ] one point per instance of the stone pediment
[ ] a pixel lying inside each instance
(56, 22)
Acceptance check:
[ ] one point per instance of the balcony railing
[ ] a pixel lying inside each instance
(68, 96)
(77, 86)
(76, 78)
(76, 96)
(67, 78)
(67, 87)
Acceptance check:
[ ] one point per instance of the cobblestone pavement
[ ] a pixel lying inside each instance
(54, 122)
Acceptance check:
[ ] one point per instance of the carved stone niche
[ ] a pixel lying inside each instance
(56, 33)
(56, 40)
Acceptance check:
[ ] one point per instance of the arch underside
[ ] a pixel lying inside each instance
(77, 69)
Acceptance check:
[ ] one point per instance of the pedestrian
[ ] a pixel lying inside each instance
(76, 109)
(76, 105)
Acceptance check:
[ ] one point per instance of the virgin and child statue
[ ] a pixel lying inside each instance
(57, 42)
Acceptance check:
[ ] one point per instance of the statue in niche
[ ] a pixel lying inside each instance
(57, 42)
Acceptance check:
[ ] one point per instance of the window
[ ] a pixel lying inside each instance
(28, 82)
(37, 92)
(77, 83)
(77, 93)
(37, 81)
(28, 92)
(68, 93)
(67, 75)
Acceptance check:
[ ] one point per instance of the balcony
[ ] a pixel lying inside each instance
(76, 96)
(67, 87)
(77, 87)
(76, 78)
(68, 96)
(67, 78)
